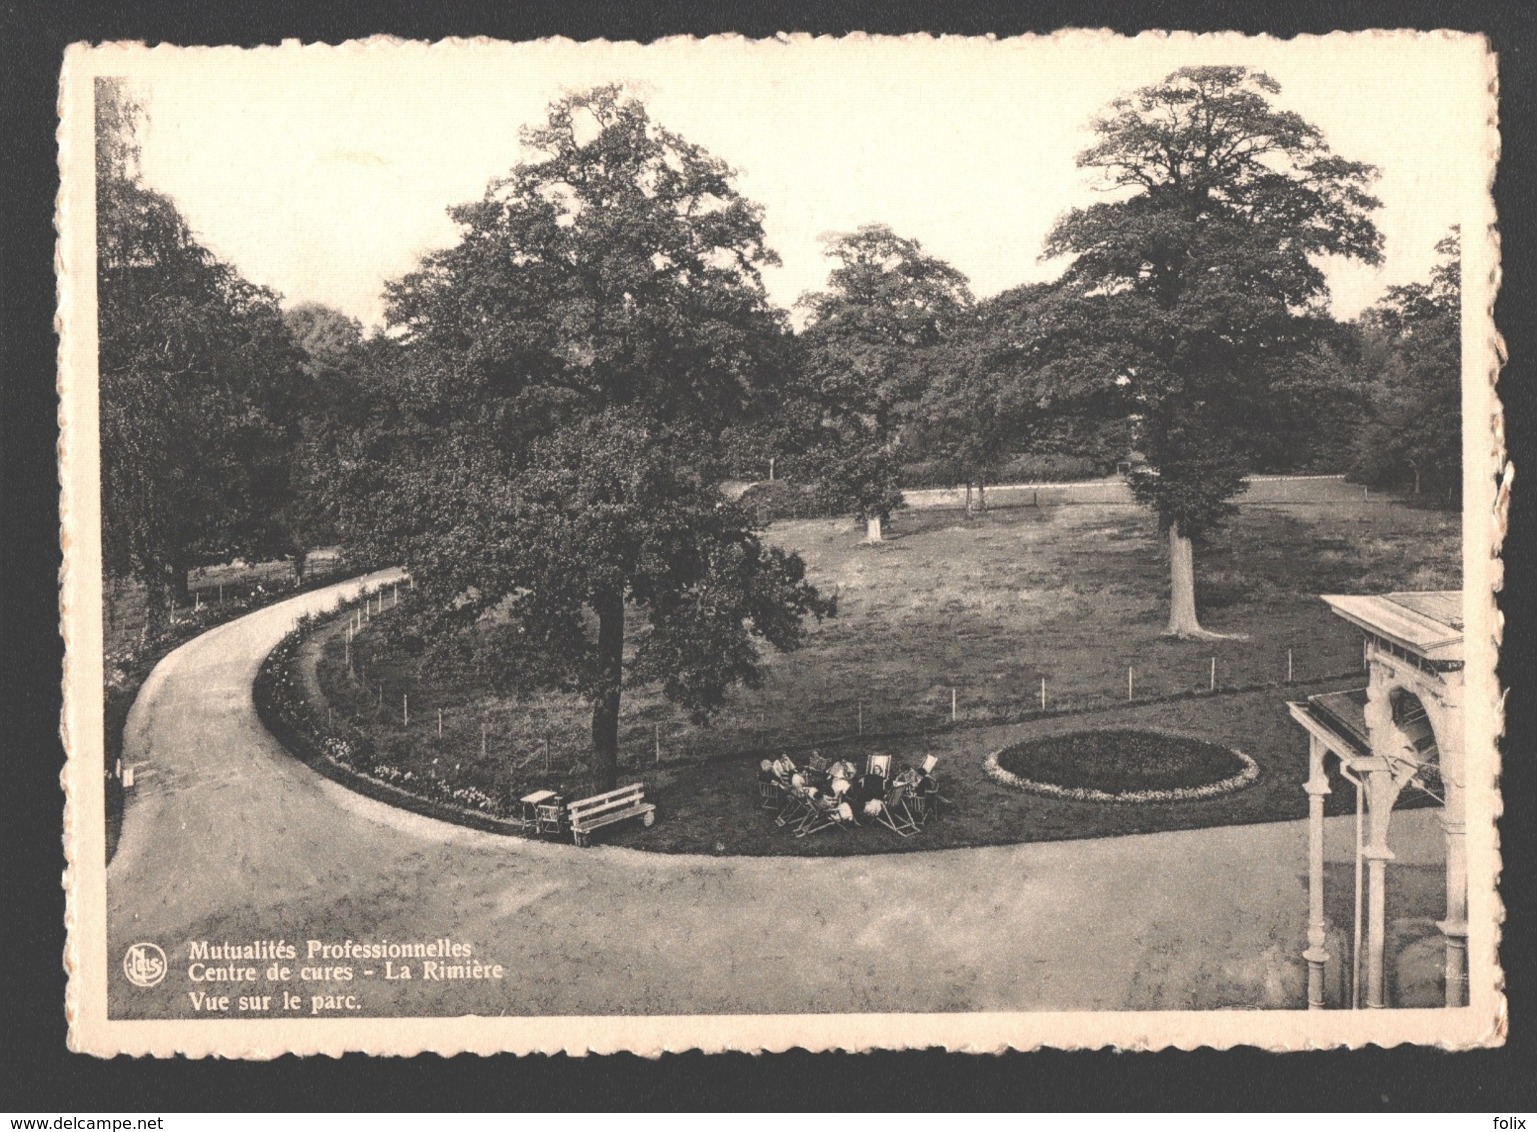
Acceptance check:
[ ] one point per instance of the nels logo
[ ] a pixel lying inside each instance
(144, 964)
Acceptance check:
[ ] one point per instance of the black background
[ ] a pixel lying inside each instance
(38, 1073)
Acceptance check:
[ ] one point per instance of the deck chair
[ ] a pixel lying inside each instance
(893, 812)
(797, 808)
(827, 812)
(817, 762)
(879, 764)
(770, 789)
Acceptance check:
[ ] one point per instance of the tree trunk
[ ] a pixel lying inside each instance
(968, 499)
(181, 593)
(1416, 481)
(981, 495)
(1182, 617)
(157, 600)
(605, 706)
(873, 529)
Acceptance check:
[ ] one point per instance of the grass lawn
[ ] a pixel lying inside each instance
(985, 607)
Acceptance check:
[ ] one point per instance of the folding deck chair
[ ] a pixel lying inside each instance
(827, 811)
(893, 812)
(798, 807)
(770, 789)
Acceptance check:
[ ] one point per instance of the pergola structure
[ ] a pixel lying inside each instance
(1403, 730)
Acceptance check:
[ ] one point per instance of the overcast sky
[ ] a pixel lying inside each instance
(322, 172)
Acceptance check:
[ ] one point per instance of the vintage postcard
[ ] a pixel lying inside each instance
(739, 545)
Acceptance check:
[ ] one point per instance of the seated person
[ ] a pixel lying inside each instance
(872, 784)
(842, 769)
(927, 786)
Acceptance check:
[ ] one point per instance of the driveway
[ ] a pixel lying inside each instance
(226, 838)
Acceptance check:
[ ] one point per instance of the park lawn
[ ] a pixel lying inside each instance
(712, 807)
(986, 607)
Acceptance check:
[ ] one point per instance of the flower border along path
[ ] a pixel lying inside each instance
(1247, 775)
(289, 717)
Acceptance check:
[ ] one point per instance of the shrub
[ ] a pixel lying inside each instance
(781, 499)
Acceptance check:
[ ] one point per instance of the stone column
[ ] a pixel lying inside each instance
(1376, 924)
(1455, 926)
(1449, 744)
(1317, 788)
(1381, 792)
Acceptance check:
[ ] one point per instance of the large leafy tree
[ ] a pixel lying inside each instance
(873, 343)
(1195, 283)
(565, 371)
(199, 383)
(990, 398)
(335, 406)
(620, 266)
(1412, 355)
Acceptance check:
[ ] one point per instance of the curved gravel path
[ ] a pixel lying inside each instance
(229, 838)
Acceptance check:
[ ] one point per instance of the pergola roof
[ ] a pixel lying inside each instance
(1427, 623)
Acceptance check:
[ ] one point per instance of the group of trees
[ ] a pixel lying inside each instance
(197, 388)
(540, 433)
(218, 409)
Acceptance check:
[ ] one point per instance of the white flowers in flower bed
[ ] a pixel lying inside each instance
(1238, 781)
(470, 796)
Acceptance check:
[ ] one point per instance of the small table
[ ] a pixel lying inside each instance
(542, 810)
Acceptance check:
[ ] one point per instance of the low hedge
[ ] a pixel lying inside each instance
(781, 499)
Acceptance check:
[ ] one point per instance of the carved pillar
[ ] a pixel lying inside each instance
(1448, 723)
(1381, 792)
(1317, 787)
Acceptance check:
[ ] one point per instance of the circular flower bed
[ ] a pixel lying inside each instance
(1123, 766)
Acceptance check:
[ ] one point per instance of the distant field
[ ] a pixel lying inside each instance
(984, 609)
(1113, 489)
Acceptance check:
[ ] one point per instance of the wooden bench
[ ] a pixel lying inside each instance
(589, 814)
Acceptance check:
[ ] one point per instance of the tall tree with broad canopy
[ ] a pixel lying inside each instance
(567, 369)
(199, 381)
(1194, 283)
(871, 348)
